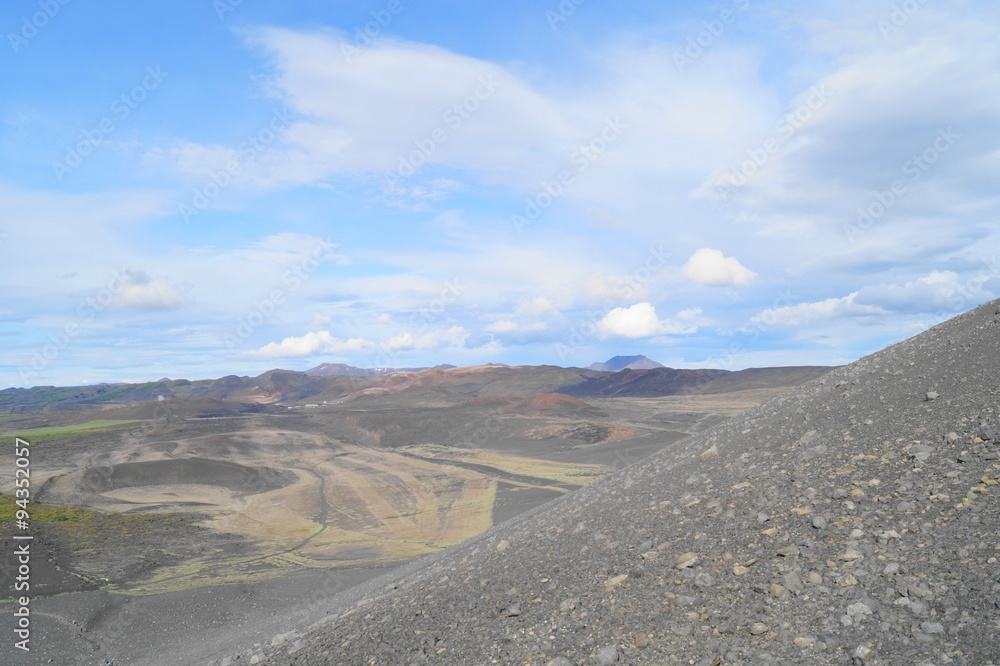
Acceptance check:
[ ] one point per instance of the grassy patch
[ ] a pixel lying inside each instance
(50, 433)
(43, 513)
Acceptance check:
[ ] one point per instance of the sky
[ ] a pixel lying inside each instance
(198, 188)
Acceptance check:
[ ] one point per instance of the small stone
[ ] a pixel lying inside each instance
(704, 580)
(568, 605)
(687, 560)
(739, 570)
(859, 609)
(932, 627)
(862, 655)
(819, 522)
(709, 453)
(932, 395)
(612, 583)
(513, 610)
(805, 641)
(776, 590)
(503, 545)
(255, 659)
(850, 555)
(560, 661)
(608, 656)
(757, 628)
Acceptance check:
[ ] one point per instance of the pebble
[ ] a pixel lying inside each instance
(608, 656)
(687, 560)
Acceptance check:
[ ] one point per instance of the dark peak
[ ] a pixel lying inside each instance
(617, 363)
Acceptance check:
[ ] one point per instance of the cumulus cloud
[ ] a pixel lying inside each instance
(314, 342)
(140, 292)
(711, 267)
(641, 321)
(637, 321)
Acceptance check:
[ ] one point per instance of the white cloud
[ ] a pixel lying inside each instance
(935, 293)
(536, 307)
(451, 337)
(711, 267)
(637, 321)
(140, 292)
(314, 342)
(500, 122)
(501, 326)
(940, 291)
(687, 322)
(804, 313)
(507, 326)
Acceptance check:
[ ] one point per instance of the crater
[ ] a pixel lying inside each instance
(240, 479)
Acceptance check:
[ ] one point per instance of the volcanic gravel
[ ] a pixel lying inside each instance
(853, 520)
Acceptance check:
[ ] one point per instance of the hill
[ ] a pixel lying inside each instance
(851, 520)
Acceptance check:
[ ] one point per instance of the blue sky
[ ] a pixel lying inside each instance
(207, 187)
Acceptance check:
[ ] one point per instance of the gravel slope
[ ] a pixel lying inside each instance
(853, 520)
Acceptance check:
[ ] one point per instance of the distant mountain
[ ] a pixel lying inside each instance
(641, 383)
(625, 363)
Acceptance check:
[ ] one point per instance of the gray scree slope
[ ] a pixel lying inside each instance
(853, 520)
